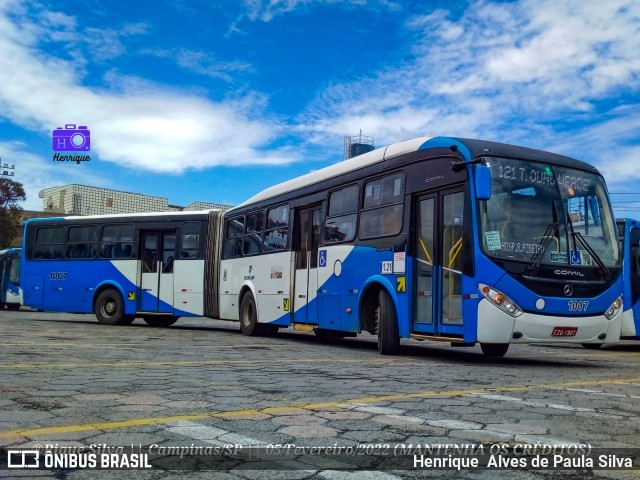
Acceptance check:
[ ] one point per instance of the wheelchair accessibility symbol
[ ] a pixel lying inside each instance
(322, 261)
(575, 257)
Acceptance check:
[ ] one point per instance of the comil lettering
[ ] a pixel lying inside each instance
(569, 273)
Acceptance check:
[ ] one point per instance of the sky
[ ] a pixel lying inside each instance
(214, 101)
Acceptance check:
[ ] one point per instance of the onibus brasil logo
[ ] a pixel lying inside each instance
(71, 139)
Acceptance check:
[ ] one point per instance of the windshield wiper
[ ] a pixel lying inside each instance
(578, 238)
(546, 239)
(543, 245)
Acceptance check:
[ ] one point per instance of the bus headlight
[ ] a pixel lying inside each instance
(613, 309)
(500, 300)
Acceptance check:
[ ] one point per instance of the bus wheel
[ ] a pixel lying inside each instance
(249, 317)
(387, 325)
(163, 321)
(127, 320)
(494, 349)
(592, 346)
(109, 307)
(13, 306)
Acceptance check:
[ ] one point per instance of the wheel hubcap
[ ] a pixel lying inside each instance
(110, 308)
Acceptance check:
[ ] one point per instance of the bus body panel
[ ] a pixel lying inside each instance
(188, 283)
(628, 328)
(12, 295)
(267, 277)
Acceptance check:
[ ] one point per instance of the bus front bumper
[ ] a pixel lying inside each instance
(496, 326)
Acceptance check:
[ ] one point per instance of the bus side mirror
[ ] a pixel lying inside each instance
(483, 182)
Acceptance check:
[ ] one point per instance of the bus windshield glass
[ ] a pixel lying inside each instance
(545, 214)
(14, 267)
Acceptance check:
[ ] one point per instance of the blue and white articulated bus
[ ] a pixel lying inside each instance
(446, 239)
(10, 291)
(148, 265)
(629, 232)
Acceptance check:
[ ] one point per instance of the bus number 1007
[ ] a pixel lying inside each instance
(578, 305)
(58, 275)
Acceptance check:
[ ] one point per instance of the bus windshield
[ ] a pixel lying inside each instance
(545, 214)
(14, 268)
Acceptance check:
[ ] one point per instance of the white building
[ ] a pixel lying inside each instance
(77, 199)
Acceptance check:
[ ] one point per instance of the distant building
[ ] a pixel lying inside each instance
(77, 199)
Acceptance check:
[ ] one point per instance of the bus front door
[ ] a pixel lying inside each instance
(438, 264)
(156, 286)
(308, 222)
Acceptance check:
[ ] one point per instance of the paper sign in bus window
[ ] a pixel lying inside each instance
(558, 257)
(493, 240)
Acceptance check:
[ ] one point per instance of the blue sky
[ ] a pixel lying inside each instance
(214, 101)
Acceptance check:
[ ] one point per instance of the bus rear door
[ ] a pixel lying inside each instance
(305, 306)
(157, 255)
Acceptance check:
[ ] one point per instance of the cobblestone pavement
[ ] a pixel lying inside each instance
(65, 380)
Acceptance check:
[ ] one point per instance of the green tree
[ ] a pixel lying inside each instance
(11, 193)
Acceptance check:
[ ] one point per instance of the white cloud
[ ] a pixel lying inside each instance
(142, 125)
(201, 62)
(517, 64)
(266, 10)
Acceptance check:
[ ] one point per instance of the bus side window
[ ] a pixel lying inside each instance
(190, 243)
(234, 230)
(382, 207)
(340, 225)
(82, 242)
(116, 241)
(49, 243)
(277, 230)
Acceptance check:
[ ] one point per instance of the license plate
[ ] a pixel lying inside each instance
(564, 331)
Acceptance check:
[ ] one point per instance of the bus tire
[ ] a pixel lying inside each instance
(494, 349)
(13, 306)
(249, 316)
(127, 319)
(387, 325)
(109, 309)
(160, 321)
(592, 346)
